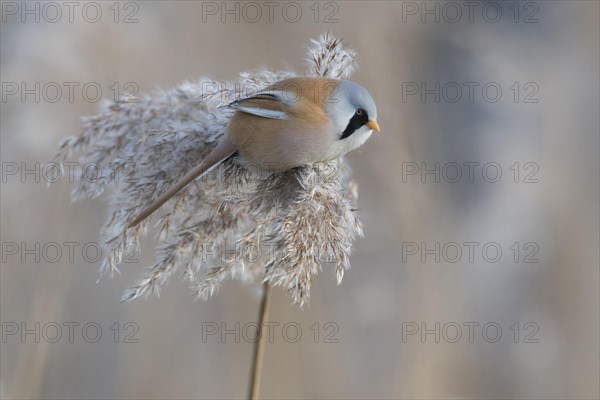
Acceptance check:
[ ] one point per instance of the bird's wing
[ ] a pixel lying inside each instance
(267, 104)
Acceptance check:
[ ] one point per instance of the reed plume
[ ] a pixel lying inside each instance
(235, 222)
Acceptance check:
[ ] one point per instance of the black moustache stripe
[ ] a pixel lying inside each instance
(355, 122)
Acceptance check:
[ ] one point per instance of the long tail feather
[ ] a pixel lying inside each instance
(223, 151)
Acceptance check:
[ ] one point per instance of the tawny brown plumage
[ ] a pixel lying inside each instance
(272, 143)
(288, 124)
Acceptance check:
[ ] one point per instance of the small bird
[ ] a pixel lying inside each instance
(294, 122)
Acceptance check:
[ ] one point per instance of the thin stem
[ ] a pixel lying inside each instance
(259, 345)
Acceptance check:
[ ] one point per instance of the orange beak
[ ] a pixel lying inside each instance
(373, 125)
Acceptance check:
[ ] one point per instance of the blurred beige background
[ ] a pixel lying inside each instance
(388, 291)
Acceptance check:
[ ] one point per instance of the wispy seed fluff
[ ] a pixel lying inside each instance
(232, 223)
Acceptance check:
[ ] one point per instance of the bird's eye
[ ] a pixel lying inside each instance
(360, 111)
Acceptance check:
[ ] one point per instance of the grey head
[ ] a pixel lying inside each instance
(352, 111)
